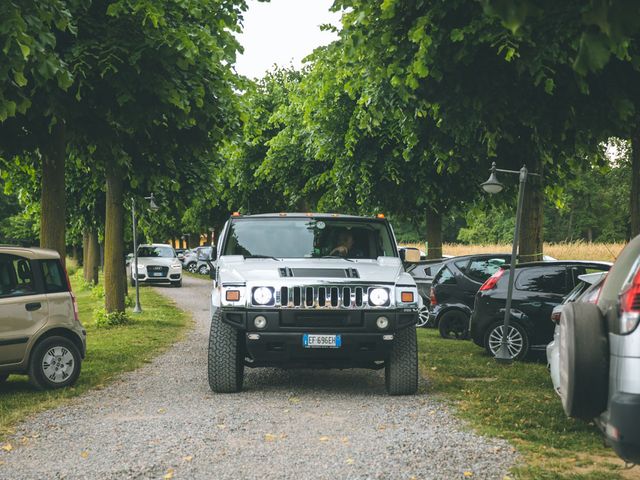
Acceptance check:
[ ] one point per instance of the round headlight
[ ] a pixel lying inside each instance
(262, 295)
(378, 297)
(382, 322)
(260, 322)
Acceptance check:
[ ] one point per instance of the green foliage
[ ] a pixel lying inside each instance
(102, 319)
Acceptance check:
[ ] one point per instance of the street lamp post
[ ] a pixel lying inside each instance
(154, 208)
(492, 186)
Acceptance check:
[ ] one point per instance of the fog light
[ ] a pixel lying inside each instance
(260, 322)
(387, 337)
(253, 336)
(382, 322)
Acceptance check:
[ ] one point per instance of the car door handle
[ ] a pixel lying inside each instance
(32, 307)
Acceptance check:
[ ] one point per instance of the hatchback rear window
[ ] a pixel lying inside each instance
(54, 276)
(16, 277)
(546, 279)
(480, 270)
(445, 277)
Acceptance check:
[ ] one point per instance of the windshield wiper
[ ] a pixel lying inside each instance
(264, 256)
(337, 256)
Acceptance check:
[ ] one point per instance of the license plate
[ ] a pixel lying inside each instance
(321, 341)
(156, 274)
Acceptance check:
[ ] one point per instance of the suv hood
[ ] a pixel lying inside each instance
(162, 261)
(382, 270)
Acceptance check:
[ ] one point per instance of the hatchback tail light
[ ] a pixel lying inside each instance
(630, 306)
(432, 296)
(492, 281)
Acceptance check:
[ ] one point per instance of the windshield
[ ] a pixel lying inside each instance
(165, 252)
(309, 238)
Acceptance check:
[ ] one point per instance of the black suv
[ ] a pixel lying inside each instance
(538, 288)
(454, 287)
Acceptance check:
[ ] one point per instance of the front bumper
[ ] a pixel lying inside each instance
(280, 342)
(171, 277)
(623, 426)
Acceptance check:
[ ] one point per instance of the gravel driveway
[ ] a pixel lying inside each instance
(162, 421)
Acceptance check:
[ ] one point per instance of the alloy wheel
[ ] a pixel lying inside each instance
(515, 342)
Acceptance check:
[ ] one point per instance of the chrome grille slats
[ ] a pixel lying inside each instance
(324, 296)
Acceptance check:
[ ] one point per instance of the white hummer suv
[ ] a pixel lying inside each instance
(312, 291)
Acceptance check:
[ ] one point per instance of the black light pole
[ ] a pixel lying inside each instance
(154, 208)
(492, 186)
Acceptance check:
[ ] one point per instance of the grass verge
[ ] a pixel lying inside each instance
(516, 402)
(110, 351)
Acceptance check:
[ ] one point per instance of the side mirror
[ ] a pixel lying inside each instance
(212, 270)
(214, 254)
(410, 255)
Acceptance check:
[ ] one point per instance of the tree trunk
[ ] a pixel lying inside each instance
(93, 258)
(85, 250)
(434, 234)
(114, 274)
(531, 233)
(52, 197)
(635, 185)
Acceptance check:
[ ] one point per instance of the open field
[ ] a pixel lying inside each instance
(110, 351)
(562, 251)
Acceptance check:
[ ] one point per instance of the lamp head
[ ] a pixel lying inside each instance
(492, 185)
(152, 204)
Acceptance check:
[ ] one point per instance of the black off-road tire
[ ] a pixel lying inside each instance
(37, 376)
(401, 368)
(454, 324)
(584, 361)
(226, 358)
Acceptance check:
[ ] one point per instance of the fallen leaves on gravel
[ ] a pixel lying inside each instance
(294, 400)
(324, 438)
(187, 458)
(169, 474)
(468, 474)
(84, 454)
(7, 447)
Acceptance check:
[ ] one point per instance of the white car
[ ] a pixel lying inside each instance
(157, 263)
(586, 291)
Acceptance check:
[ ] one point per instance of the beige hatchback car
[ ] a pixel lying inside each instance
(40, 333)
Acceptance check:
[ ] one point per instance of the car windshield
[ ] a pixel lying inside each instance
(309, 238)
(165, 252)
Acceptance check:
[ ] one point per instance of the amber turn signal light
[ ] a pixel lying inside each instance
(233, 295)
(406, 297)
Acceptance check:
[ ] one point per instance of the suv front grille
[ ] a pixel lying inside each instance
(326, 296)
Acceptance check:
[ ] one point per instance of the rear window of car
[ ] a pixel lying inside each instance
(480, 270)
(16, 277)
(543, 279)
(431, 270)
(54, 277)
(445, 277)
